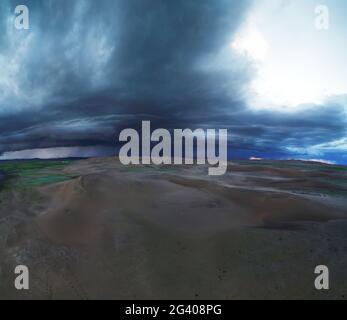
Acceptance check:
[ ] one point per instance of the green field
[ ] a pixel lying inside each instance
(33, 173)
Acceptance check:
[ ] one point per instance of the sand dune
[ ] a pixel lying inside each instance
(174, 232)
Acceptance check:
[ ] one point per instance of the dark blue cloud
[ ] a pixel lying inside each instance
(87, 69)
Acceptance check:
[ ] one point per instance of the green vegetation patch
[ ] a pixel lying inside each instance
(33, 173)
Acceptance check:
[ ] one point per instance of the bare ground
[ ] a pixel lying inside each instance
(175, 233)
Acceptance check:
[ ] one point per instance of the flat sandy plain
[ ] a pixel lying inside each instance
(100, 230)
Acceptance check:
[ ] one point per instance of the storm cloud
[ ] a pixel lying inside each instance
(87, 69)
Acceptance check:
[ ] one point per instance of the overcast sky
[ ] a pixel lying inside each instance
(87, 69)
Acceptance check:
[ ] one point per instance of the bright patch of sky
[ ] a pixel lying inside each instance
(60, 152)
(296, 63)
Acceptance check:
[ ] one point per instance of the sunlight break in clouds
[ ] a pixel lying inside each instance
(296, 63)
(251, 43)
(60, 152)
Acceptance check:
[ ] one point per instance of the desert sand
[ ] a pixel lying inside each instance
(147, 232)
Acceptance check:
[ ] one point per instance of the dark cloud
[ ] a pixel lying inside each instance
(87, 69)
